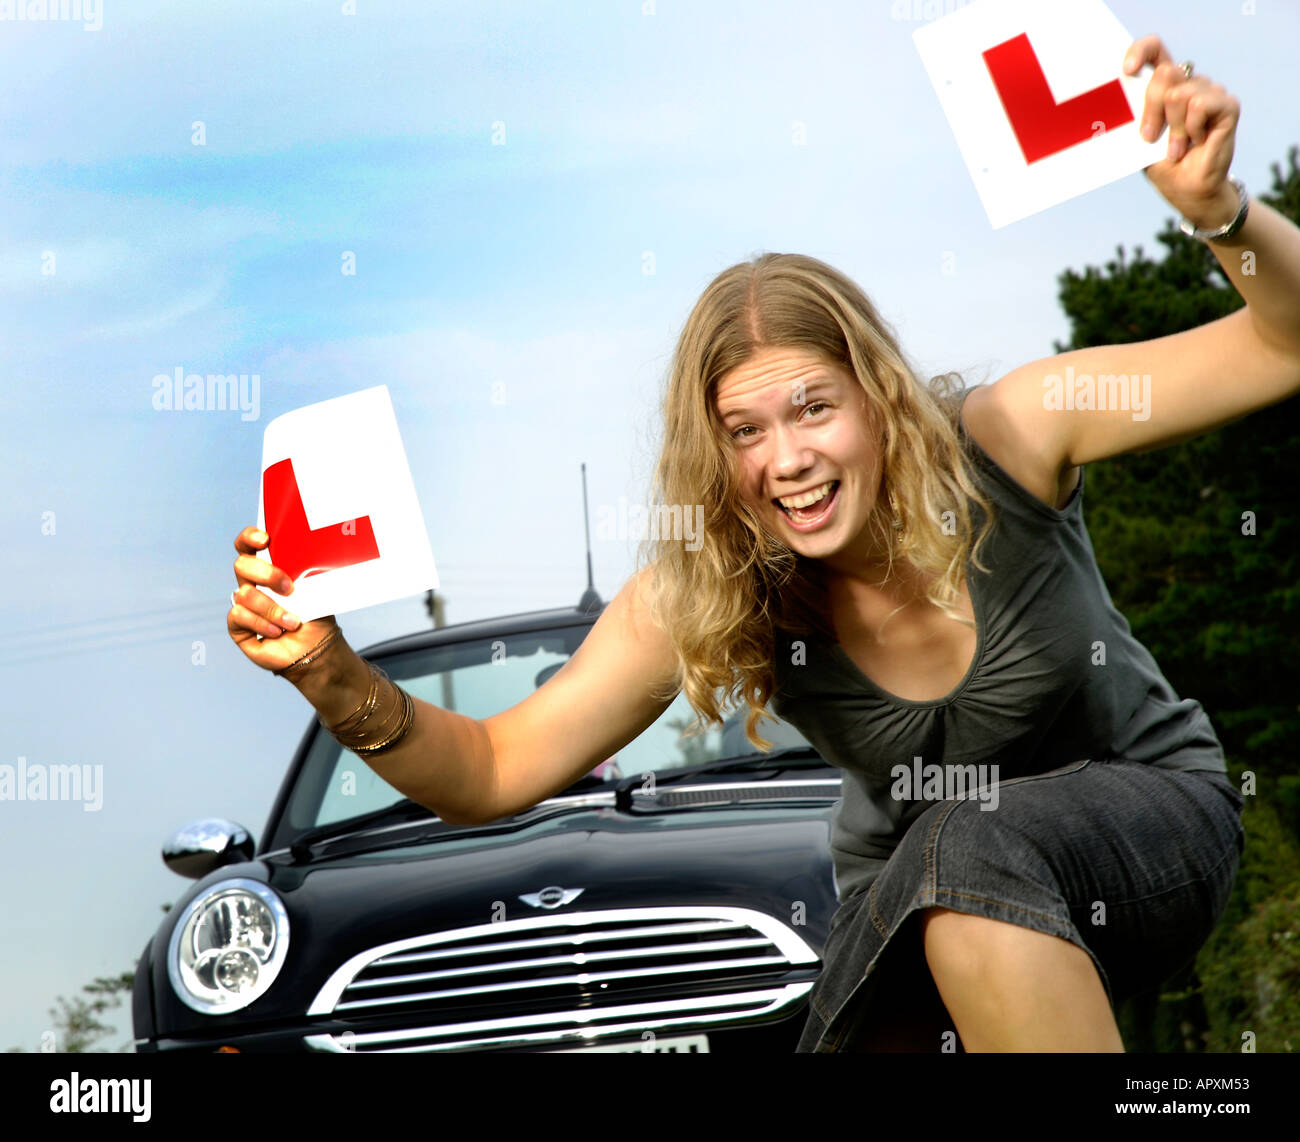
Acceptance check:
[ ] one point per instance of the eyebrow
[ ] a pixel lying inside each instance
(812, 386)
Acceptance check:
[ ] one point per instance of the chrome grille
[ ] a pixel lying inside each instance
(583, 977)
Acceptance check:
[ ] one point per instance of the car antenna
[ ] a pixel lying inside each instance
(590, 601)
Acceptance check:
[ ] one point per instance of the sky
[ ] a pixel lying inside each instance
(533, 194)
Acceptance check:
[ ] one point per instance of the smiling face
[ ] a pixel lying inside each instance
(798, 422)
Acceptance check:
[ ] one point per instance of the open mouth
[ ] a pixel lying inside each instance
(814, 511)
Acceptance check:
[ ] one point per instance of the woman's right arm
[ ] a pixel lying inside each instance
(470, 771)
(593, 706)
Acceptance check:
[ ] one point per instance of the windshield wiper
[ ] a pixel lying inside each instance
(406, 810)
(775, 762)
(395, 814)
(351, 841)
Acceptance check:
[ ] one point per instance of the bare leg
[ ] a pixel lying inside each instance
(1010, 988)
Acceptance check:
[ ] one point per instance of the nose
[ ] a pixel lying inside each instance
(789, 456)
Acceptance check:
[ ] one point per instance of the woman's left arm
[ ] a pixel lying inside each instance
(1150, 394)
(1193, 178)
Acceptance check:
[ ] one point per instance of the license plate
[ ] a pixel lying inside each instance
(681, 1044)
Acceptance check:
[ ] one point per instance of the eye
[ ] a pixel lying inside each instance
(736, 435)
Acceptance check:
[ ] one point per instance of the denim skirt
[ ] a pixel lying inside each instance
(1128, 861)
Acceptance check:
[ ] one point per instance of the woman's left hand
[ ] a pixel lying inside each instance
(1202, 119)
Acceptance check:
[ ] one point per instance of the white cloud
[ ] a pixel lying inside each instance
(157, 318)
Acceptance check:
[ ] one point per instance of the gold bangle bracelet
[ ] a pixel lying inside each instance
(358, 716)
(352, 731)
(314, 653)
(356, 738)
(393, 739)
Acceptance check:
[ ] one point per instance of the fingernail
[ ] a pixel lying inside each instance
(286, 586)
(290, 622)
(1148, 132)
(259, 537)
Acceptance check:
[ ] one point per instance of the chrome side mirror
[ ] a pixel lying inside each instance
(194, 850)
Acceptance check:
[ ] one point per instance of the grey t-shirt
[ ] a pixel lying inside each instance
(1057, 677)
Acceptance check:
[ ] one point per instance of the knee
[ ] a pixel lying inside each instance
(963, 947)
(961, 944)
(941, 938)
(941, 925)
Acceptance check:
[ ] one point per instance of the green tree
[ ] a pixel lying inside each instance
(1219, 608)
(76, 1024)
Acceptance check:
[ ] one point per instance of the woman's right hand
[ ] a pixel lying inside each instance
(285, 639)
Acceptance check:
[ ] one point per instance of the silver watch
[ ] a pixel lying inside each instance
(1223, 232)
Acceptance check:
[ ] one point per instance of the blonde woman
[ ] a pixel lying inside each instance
(903, 571)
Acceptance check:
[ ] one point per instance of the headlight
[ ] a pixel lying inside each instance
(228, 946)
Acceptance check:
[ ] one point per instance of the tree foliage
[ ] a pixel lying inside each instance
(75, 1024)
(1219, 608)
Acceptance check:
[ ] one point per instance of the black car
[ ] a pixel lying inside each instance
(677, 898)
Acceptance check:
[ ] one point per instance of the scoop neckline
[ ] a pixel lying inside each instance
(977, 607)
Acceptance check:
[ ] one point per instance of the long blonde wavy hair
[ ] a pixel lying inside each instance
(722, 603)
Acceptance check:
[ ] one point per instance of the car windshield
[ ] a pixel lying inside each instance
(488, 676)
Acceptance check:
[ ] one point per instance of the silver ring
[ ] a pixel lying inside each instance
(1186, 65)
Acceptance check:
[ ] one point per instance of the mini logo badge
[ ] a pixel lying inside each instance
(553, 896)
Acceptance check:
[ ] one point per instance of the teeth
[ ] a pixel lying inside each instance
(807, 498)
